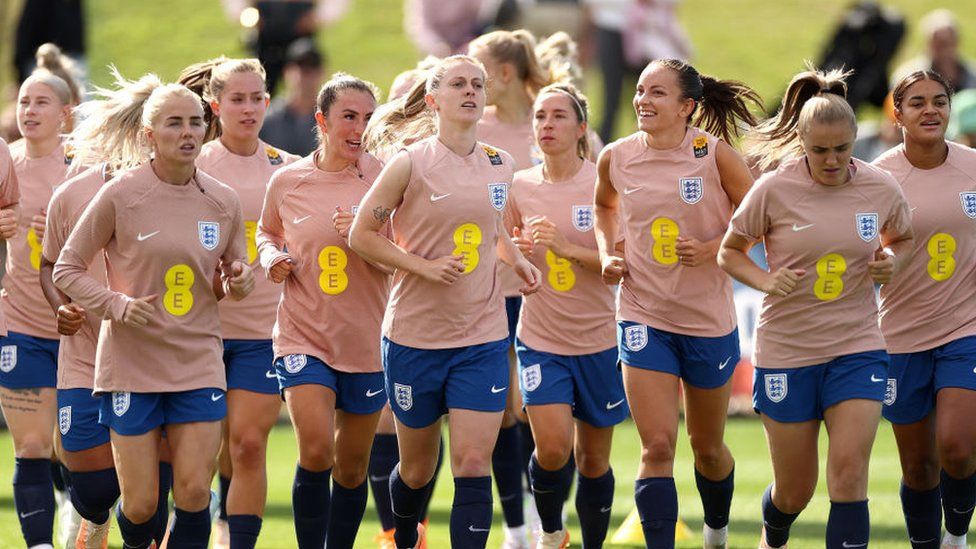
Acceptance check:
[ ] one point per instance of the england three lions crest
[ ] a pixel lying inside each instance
(867, 226)
(968, 204)
(120, 403)
(498, 195)
(691, 189)
(64, 419)
(531, 377)
(294, 363)
(209, 233)
(635, 337)
(403, 396)
(583, 218)
(891, 392)
(8, 358)
(776, 387)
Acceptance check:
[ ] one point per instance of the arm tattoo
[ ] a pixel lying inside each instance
(382, 214)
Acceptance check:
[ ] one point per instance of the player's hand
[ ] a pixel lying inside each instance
(545, 232)
(692, 252)
(783, 281)
(613, 269)
(522, 242)
(70, 319)
(529, 274)
(8, 223)
(37, 223)
(139, 311)
(238, 277)
(443, 270)
(342, 221)
(882, 267)
(280, 270)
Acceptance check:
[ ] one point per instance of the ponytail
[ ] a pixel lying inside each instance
(519, 49)
(559, 57)
(812, 96)
(50, 58)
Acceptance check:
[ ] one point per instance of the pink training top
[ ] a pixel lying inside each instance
(76, 355)
(333, 302)
(517, 140)
(452, 205)
(665, 194)
(9, 195)
(573, 311)
(931, 301)
(832, 232)
(254, 317)
(158, 239)
(24, 305)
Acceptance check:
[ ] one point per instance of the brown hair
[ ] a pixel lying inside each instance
(208, 79)
(580, 107)
(50, 58)
(518, 48)
(330, 91)
(909, 80)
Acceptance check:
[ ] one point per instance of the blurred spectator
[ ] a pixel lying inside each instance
(278, 23)
(962, 118)
(442, 28)
(547, 17)
(865, 43)
(874, 138)
(941, 32)
(629, 34)
(290, 122)
(60, 22)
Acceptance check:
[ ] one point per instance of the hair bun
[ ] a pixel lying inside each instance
(48, 56)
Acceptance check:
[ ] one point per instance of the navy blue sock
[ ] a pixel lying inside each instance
(59, 476)
(224, 487)
(923, 516)
(135, 536)
(406, 503)
(162, 505)
(244, 530)
(507, 467)
(345, 515)
(594, 497)
(310, 502)
(471, 512)
(191, 529)
(93, 493)
(383, 456)
(549, 489)
(716, 497)
(848, 525)
(528, 448)
(34, 499)
(433, 482)
(657, 505)
(776, 522)
(958, 499)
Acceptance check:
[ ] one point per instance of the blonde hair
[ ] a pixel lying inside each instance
(57, 84)
(209, 78)
(813, 96)
(580, 107)
(111, 128)
(50, 58)
(518, 48)
(558, 56)
(159, 95)
(407, 118)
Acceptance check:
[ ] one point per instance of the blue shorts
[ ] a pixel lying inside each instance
(250, 365)
(792, 395)
(591, 384)
(512, 307)
(361, 394)
(78, 420)
(138, 413)
(27, 362)
(703, 362)
(915, 378)
(425, 384)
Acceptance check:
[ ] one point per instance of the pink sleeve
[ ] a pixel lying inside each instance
(9, 187)
(899, 220)
(270, 232)
(236, 243)
(93, 232)
(511, 216)
(54, 233)
(751, 219)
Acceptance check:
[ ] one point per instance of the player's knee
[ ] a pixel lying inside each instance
(248, 449)
(472, 462)
(658, 450)
(350, 475)
(417, 474)
(848, 479)
(191, 492)
(708, 452)
(139, 508)
(592, 464)
(552, 456)
(33, 445)
(317, 456)
(921, 473)
(957, 455)
(793, 498)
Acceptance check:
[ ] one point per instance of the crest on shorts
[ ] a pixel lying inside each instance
(635, 337)
(691, 189)
(120, 402)
(274, 157)
(583, 218)
(294, 363)
(498, 195)
(968, 204)
(209, 233)
(64, 419)
(891, 391)
(776, 387)
(531, 377)
(403, 395)
(8, 358)
(867, 226)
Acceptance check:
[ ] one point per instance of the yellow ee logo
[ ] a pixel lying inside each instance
(467, 238)
(561, 276)
(829, 283)
(942, 263)
(35, 249)
(664, 231)
(333, 261)
(178, 299)
(250, 234)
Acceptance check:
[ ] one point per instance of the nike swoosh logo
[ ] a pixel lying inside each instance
(434, 197)
(32, 513)
(496, 390)
(798, 228)
(612, 405)
(377, 478)
(507, 498)
(631, 190)
(471, 528)
(298, 220)
(604, 509)
(142, 237)
(216, 397)
(850, 545)
(957, 511)
(876, 379)
(724, 364)
(271, 375)
(370, 394)
(915, 541)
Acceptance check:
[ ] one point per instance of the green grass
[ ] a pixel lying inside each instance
(753, 473)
